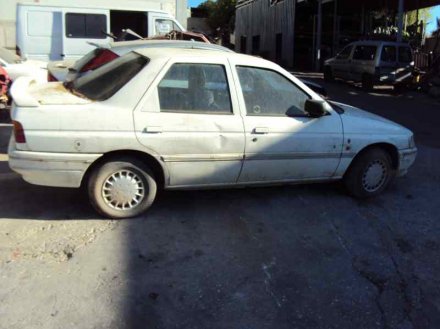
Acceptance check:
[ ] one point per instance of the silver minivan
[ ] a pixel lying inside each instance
(372, 63)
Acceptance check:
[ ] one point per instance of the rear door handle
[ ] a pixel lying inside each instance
(261, 130)
(152, 130)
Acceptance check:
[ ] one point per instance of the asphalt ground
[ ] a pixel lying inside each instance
(280, 257)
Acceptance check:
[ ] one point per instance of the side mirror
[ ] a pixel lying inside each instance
(315, 108)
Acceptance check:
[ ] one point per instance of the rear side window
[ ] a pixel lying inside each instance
(405, 55)
(365, 53)
(389, 54)
(104, 82)
(195, 88)
(86, 26)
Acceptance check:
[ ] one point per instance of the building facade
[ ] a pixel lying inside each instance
(266, 28)
(177, 8)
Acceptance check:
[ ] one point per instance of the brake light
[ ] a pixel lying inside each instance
(102, 57)
(51, 78)
(19, 132)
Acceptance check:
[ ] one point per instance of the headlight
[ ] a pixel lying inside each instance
(412, 142)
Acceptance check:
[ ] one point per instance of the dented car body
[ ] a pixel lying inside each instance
(189, 118)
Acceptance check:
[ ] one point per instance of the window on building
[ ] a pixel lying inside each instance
(278, 47)
(389, 54)
(256, 45)
(86, 26)
(268, 93)
(195, 88)
(365, 53)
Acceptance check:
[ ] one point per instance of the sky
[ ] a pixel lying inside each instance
(194, 3)
(433, 24)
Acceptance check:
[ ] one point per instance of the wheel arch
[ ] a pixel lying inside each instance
(387, 147)
(159, 170)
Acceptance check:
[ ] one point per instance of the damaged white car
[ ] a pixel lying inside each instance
(187, 118)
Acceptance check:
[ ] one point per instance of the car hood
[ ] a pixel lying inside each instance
(358, 121)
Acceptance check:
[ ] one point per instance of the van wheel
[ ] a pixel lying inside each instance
(328, 74)
(369, 174)
(122, 188)
(367, 82)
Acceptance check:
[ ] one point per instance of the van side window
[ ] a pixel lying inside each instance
(405, 55)
(345, 53)
(86, 26)
(365, 53)
(164, 26)
(389, 54)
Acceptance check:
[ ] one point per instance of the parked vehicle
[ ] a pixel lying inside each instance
(190, 118)
(16, 67)
(104, 53)
(372, 63)
(61, 32)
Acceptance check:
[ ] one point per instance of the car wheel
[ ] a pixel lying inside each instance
(367, 82)
(370, 173)
(122, 188)
(328, 75)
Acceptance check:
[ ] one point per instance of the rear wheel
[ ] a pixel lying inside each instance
(328, 74)
(370, 173)
(367, 82)
(122, 188)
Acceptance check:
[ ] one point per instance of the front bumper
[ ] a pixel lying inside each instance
(406, 160)
(50, 169)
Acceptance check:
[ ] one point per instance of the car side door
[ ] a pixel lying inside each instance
(283, 143)
(190, 118)
(341, 65)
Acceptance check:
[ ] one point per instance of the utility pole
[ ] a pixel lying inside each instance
(400, 23)
(318, 38)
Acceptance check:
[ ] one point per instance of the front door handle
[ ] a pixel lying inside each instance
(261, 130)
(152, 130)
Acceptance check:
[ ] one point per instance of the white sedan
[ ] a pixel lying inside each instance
(22, 68)
(187, 118)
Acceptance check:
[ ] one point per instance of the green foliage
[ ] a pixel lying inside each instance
(221, 15)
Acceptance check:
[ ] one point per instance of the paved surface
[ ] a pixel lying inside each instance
(287, 257)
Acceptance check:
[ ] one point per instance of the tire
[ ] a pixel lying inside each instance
(328, 75)
(367, 82)
(136, 193)
(369, 174)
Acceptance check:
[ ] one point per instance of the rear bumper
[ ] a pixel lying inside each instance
(50, 169)
(406, 160)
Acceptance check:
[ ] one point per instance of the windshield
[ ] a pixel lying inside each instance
(8, 56)
(104, 82)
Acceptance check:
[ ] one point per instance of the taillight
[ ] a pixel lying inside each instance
(19, 132)
(51, 78)
(102, 57)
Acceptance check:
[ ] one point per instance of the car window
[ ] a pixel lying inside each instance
(268, 93)
(365, 53)
(195, 88)
(164, 26)
(405, 55)
(389, 54)
(345, 53)
(105, 81)
(86, 25)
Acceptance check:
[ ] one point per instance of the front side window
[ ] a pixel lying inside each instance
(195, 88)
(389, 54)
(268, 93)
(405, 55)
(365, 53)
(164, 26)
(86, 26)
(107, 80)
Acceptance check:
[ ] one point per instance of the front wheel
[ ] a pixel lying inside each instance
(122, 188)
(369, 174)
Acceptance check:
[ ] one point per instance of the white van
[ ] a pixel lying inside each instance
(51, 33)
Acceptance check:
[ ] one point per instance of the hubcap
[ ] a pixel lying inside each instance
(123, 190)
(374, 176)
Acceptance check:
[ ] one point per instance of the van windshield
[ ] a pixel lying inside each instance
(107, 80)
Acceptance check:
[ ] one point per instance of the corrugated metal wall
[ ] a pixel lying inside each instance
(259, 18)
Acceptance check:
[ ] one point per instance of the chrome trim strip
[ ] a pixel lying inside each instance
(202, 157)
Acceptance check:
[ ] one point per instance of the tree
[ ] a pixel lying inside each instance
(221, 17)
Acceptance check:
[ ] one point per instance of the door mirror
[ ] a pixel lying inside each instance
(315, 108)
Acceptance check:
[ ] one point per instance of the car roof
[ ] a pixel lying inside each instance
(162, 44)
(379, 42)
